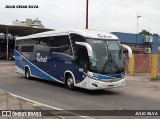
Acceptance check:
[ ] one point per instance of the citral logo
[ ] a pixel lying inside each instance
(103, 36)
(40, 58)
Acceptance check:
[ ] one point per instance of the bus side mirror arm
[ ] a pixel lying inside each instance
(131, 59)
(129, 49)
(89, 48)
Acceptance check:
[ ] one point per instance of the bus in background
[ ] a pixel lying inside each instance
(83, 58)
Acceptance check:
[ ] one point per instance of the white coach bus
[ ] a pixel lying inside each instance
(83, 58)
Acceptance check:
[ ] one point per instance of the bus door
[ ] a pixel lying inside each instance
(82, 61)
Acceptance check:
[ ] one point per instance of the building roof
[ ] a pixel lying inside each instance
(21, 30)
(135, 38)
(130, 38)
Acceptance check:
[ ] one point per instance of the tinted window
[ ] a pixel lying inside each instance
(82, 57)
(53, 42)
(46, 44)
(25, 42)
(76, 38)
(61, 44)
(25, 45)
(42, 41)
(42, 44)
(63, 40)
(26, 48)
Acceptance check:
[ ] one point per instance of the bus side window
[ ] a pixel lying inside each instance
(82, 57)
(42, 44)
(61, 44)
(64, 45)
(76, 38)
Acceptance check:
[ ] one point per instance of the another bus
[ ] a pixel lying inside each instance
(83, 58)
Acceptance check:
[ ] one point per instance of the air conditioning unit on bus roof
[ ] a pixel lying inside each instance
(148, 39)
(147, 50)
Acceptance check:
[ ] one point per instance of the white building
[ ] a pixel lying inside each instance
(29, 23)
(37, 24)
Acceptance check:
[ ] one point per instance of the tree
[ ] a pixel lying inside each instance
(155, 34)
(145, 32)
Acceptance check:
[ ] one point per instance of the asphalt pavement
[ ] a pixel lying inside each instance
(16, 92)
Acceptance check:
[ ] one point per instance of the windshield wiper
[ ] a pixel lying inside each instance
(107, 62)
(111, 63)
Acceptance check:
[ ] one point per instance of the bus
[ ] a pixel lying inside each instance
(89, 59)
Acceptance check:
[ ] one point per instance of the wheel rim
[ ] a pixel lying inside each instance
(70, 82)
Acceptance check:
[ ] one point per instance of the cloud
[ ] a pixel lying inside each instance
(106, 15)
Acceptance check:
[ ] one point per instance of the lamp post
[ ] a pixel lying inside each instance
(137, 28)
(149, 29)
(86, 14)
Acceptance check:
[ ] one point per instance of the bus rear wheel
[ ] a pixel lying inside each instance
(70, 82)
(27, 73)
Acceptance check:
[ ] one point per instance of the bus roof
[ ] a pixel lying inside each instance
(84, 32)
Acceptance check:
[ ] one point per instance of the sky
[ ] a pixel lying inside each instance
(104, 15)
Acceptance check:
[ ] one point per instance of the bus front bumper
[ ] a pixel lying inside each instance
(95, 84)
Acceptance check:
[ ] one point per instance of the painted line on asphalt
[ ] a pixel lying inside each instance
(35, 103)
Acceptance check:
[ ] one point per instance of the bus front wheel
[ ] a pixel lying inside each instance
(70, 82)
(27, 73)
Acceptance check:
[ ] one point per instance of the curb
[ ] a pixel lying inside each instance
(38, 105)
(41, 106)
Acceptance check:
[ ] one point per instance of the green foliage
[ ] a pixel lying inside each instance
(155, 34)
(145, 32)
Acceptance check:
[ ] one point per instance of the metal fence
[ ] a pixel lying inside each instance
(142, 63)
(158, 65)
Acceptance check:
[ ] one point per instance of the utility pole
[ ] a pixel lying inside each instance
(86, 14)
(137, 29)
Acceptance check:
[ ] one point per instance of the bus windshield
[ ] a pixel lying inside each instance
(108, 56)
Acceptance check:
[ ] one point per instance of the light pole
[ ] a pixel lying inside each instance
(86, 14)
(137, 28)
(149, 29)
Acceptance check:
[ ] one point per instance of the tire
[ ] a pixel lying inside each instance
(27, 73)
(70, 82)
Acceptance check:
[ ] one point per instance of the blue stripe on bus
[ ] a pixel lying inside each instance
(35, 71)
(100, 76)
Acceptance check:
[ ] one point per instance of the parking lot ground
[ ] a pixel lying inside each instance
(139, 85)
(12, 102)
(142, 85)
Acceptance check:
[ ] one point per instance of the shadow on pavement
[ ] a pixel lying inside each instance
(77, 89)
